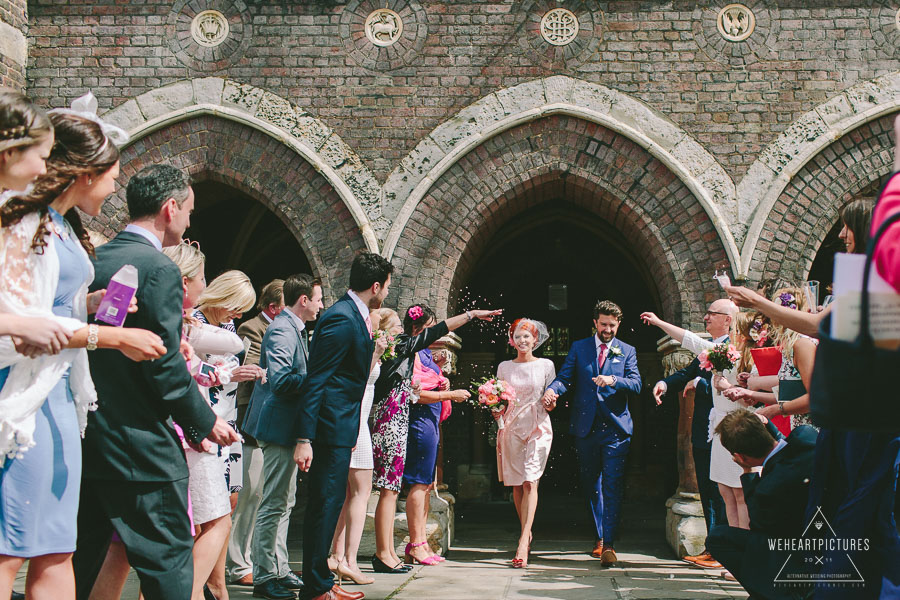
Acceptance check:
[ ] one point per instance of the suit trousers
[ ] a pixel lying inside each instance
(151, 518)
(239, 561)
(601, 468)
(746, 555)
(269, 548)
(327, 488)
(710, 498)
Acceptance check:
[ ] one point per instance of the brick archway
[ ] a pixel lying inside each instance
(263, 168)
(562, 159)
(810, 204)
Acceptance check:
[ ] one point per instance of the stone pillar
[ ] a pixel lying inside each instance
(13, 43)
(685, 527)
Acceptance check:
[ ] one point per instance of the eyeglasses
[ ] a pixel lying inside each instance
(715, 312)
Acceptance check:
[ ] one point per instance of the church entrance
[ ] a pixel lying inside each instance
(553, 263)
(237, 232)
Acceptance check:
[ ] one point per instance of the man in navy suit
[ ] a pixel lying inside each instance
(270, 419)
(328, 422)
(604, 372)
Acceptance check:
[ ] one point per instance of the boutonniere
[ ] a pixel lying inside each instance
(615, 351)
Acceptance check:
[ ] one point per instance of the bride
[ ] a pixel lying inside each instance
(525, 436)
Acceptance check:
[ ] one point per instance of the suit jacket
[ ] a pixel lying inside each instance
(339, 359)
(703, 402)
(776, 499)
(130, 437)
(275, 404)
(253, 330)
(580, 367)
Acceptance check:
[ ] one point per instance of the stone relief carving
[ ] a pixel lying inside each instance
(736, 22)
(559, 27)
(209, 28)
(383, 27)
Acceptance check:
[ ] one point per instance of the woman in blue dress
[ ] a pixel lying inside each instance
(45, 270)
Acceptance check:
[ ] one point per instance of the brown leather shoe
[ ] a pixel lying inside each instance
(246, 580)
(702, 556)
(609, 558)
(708, 564)
(342, 594)
(597, 552)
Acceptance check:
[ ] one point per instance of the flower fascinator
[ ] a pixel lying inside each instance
(86, 107)
(537, 329)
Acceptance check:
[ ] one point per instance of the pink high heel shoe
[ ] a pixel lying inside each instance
(412, 560)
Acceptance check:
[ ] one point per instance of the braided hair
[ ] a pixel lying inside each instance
(80, 148)
(22, 123)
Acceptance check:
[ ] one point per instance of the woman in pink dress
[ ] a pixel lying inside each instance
(525, 435)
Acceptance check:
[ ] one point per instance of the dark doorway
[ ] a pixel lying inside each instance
(236, 231)
(553, 263)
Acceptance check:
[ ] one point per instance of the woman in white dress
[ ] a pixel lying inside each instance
(525, 432)
(348, 533)
(722, 469)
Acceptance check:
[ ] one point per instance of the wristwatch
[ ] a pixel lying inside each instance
(93, 337)
(303, 441)
(615, 379)
(469, 315)
(781, 406)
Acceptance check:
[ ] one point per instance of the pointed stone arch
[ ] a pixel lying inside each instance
(512, 107)
(276, 117)
(766, 182)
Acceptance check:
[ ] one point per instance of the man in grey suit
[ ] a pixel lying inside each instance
(270, 419)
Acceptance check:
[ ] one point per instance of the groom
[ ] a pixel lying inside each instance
(328, 421)
(604, 372)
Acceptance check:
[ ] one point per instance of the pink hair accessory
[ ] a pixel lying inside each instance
(415, 313)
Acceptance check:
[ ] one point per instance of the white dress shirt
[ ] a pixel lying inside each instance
(360, 305)
(137, 229)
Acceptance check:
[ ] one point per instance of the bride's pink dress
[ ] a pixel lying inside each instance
(525, 436)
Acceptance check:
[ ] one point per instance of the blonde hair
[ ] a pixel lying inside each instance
(187, 257)
(784, 337)
(384, 317)
(740, 328)
(232, 290)
(22, 123)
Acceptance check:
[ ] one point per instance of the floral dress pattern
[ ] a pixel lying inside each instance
(389, 436)
(790, 386)
(223, 399)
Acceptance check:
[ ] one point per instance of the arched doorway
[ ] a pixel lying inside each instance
(237, 232)
(553, 262)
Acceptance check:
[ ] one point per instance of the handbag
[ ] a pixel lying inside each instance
(854, 384)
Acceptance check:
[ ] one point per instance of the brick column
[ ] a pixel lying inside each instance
(13, 43)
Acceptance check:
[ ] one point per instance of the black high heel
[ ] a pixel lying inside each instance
(379, 566)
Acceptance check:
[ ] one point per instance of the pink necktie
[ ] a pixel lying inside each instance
(369, 325)
(602, 357)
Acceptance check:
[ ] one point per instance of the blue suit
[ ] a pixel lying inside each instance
(601, 424)
(275, 404)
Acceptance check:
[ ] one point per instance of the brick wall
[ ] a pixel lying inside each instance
(733, 98)
(264, 169)
(12, 13)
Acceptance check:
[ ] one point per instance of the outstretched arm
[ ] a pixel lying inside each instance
(675, 332)
(802, 322)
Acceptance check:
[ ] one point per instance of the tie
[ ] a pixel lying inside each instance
(601, 358)
(304, 341)
(369, 325)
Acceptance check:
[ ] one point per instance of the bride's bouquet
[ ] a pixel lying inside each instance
(719, 358)
(494, 394)
(391, 350)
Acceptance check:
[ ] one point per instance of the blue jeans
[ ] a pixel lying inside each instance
(601, 468)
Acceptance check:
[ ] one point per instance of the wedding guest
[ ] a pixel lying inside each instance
(692, 378)
(135, 475)
(273, 409)
(722, 469)
(330, 400)
(239, 566)
(424, 436)
(226, 298)
(887, 255)
(393, 395)
(604, 373)
(26, 137)
(45, 271)
(349, 530)
(526, 434)
(776, 499)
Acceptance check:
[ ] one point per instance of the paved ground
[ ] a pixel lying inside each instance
(478, 565)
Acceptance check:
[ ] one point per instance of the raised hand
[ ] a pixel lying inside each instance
(486, 315)
(650, 318)
(381, 345)
(744, 297)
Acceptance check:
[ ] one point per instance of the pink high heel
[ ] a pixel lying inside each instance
(412, 560)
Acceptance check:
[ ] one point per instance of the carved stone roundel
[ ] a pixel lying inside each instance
(559, 27)
(383, 27)
(209, 28)
(736, 22)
